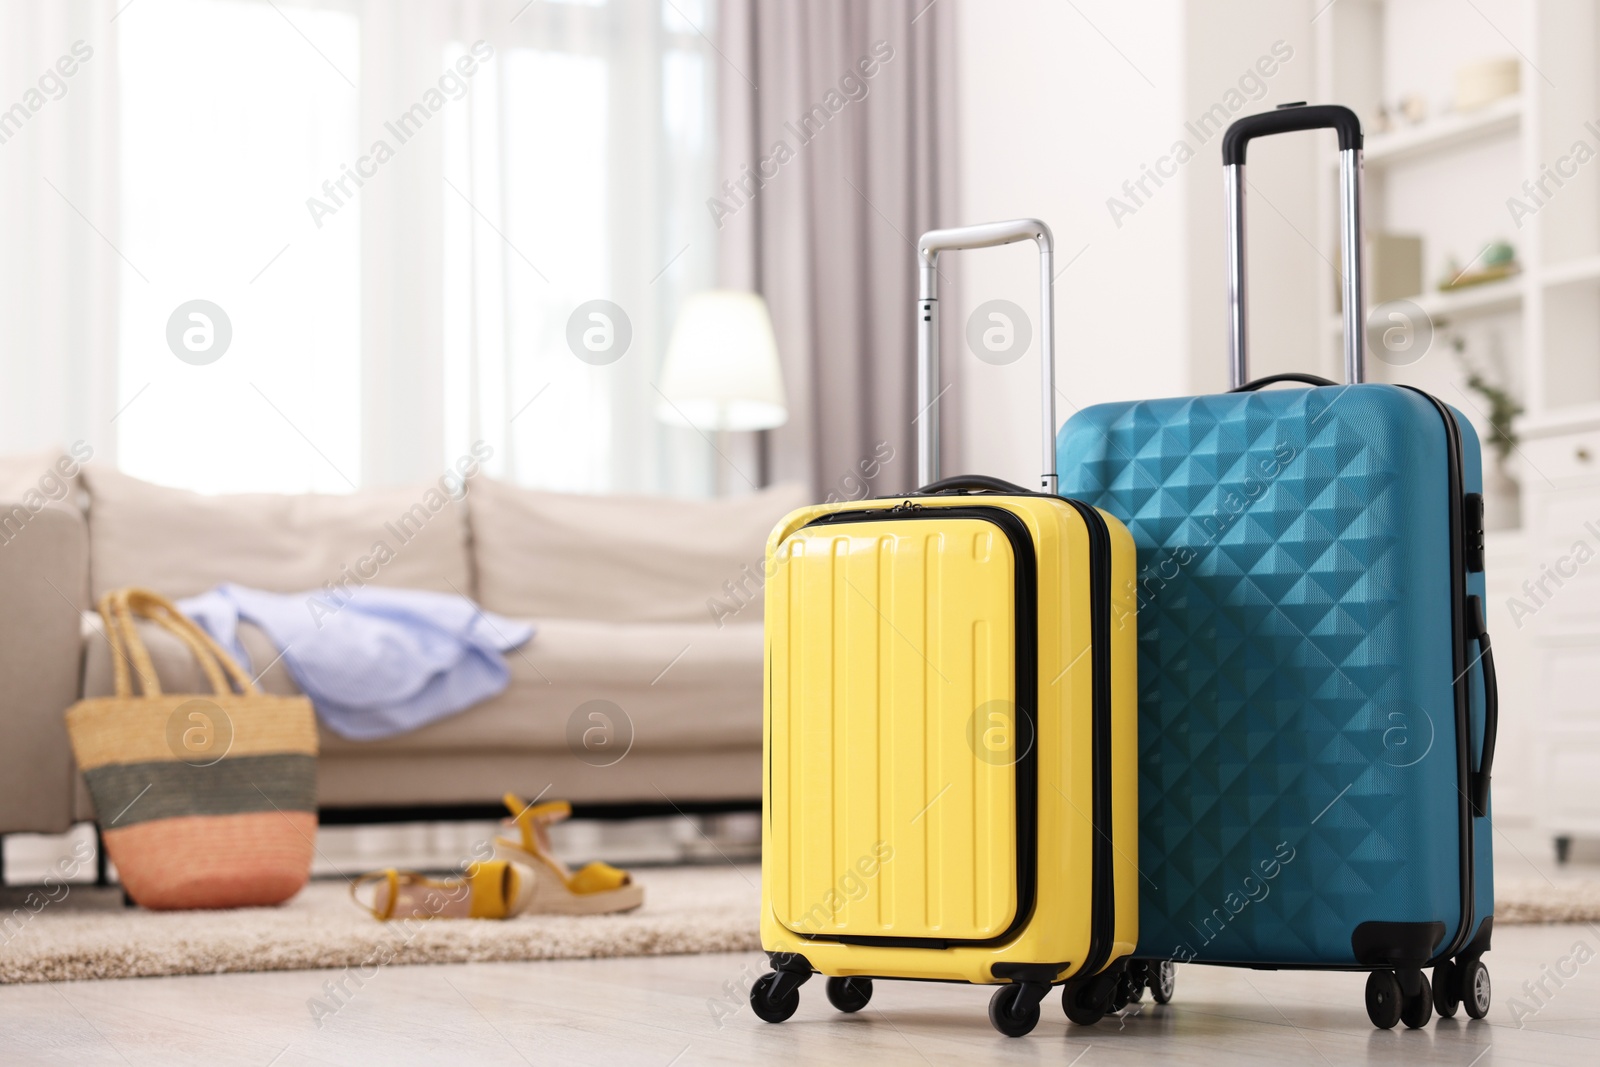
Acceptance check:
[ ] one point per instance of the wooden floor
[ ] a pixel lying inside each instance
(691, 1010)
(682, 1010)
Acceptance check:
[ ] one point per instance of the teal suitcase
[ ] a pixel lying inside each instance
(1317, 690)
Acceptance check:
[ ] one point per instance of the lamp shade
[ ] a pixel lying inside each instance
(721, 371)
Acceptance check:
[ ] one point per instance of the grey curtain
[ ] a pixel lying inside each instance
(837, 138)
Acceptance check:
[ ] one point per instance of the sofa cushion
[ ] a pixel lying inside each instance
(182, 543)
(623, 558)
(37, 480)
(686, 686)
(680, 686)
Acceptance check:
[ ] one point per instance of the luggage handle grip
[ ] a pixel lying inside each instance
(1491, 706)
(984, 235)
(1290, 118)
(1286, 119)
(976, 483)
(1275, 379)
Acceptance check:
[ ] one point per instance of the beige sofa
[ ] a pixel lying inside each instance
(650, 605)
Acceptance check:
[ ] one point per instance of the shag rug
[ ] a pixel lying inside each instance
(1528, 901)
(89, 934)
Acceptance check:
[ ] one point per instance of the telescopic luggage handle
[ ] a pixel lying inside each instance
(985, 235)
(1286, 119)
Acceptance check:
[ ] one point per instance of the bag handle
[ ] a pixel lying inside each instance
(120, 607)
(985, 235)
(127, 646)
(218, 664)
(1288, 118)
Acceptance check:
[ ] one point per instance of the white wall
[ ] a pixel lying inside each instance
(1234, 51)
(1053, 120)
(1061, 105)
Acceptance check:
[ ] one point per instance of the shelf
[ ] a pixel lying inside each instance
(1572, 272)
(1574, 418)
(1443, 133)
(1490, 298)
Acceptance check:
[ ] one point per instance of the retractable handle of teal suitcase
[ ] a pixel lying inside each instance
(1289, 118)
(985, 235)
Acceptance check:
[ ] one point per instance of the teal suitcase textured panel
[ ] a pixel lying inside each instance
(1306, 752)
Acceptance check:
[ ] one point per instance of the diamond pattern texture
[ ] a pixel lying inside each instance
(1297, 726)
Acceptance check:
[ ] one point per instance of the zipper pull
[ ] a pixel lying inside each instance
(907, 505)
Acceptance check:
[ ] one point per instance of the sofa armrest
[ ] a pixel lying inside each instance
(44, 572)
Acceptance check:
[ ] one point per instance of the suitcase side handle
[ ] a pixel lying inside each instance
(985, 235)
(1286, 119)
(1491, 705)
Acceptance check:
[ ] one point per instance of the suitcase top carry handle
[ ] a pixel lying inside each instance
(986, 235)
(1287, 119)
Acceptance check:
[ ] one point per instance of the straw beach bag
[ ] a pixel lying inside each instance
(204, 800)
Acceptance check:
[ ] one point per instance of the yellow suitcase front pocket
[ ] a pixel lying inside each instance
(894, 729)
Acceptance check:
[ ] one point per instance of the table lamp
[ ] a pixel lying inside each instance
(721, 373)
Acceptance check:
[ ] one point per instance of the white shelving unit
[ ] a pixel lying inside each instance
(1436, 135)
(1454, 180)
(1490, 298)
(1573, 272)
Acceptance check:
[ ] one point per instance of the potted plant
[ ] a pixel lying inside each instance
(1502, 493)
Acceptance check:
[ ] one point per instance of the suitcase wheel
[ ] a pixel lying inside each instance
(1446, 990)
(1416, 1010)
(1393, 996)
(1014, 1009)
(1130, 988)
(1164, 980)
(776, 995)
(1472, 985)
(1384, 1000)
(1087, 1000)
(849, 994)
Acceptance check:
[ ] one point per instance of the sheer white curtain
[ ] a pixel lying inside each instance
(58, 276)
(577, 172)
(228, 121)
(398, 206)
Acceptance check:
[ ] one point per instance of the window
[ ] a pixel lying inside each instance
(576, 173)
(228, 121)
(377, 330)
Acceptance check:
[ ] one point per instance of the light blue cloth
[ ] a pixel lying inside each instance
(377, 662)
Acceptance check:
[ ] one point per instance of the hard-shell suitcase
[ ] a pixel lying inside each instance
(951, 758)
(1317, 692)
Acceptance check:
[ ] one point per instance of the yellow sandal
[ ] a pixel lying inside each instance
(497, 889)
(596, 889)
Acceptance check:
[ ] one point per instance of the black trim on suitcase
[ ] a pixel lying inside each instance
(1480, 941)
(1027, 689)
(1391, 944)
(1460, 669)
(1103, 896)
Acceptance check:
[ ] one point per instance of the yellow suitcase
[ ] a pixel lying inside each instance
(950, 737)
